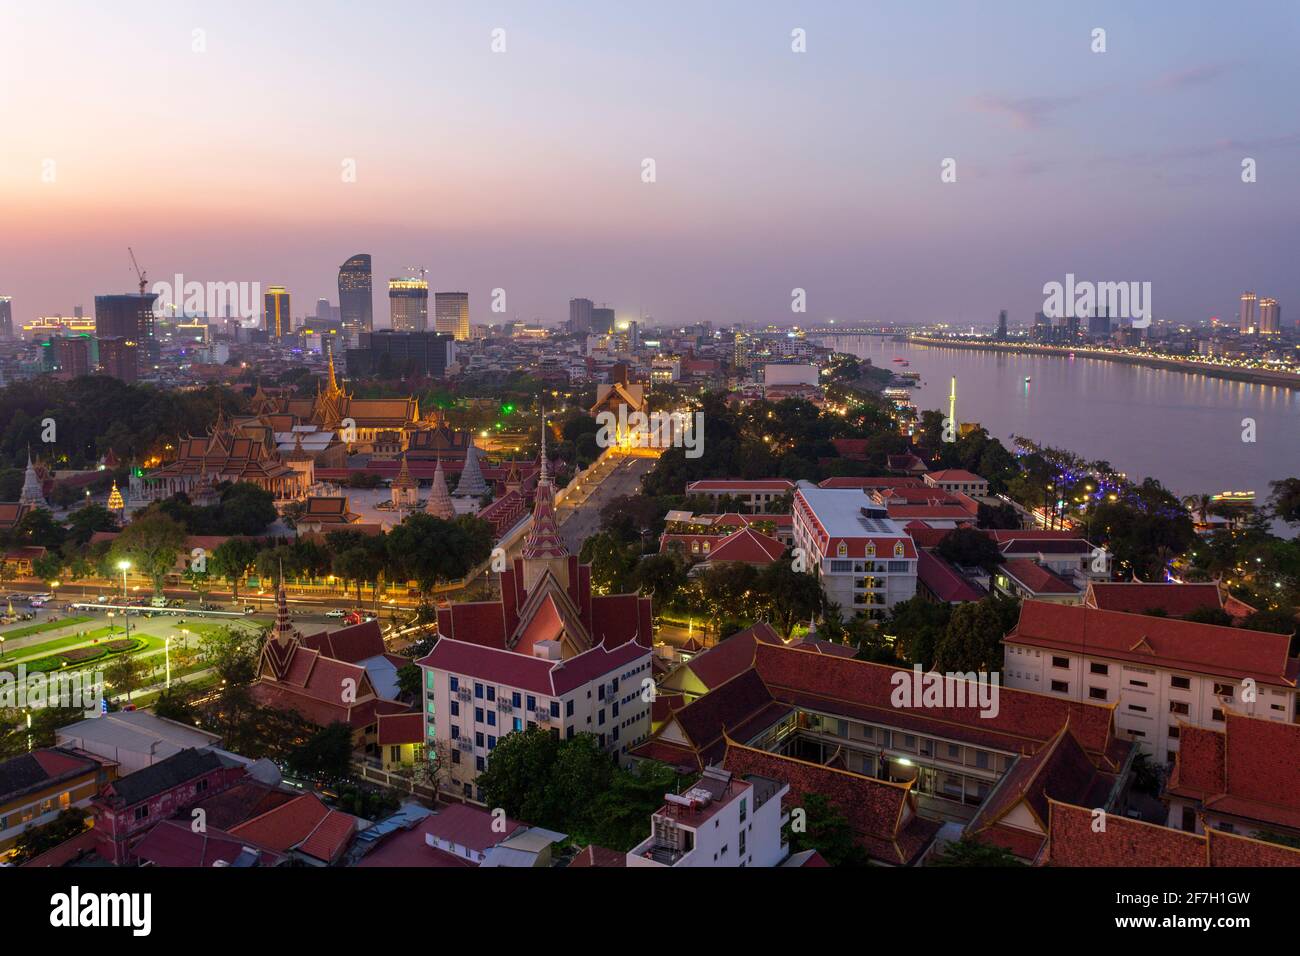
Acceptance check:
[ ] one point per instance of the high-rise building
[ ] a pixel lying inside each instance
(1270, 317)
(120, 358)
(408, 305)
(744, 353)
(390, 354)
(324, 311)
(1248, 312)
(1099, 324)
(356, 305)
(602, 321)
(1002, 325)
(278, 318)
(451, 314)
(580, 315)
(6, 318)
(72, 355)
(128, 316)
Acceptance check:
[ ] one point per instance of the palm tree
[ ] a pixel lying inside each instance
(1200, 506)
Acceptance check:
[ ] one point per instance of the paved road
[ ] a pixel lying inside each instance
(580, 518)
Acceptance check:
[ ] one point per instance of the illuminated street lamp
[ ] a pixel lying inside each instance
(123, 566)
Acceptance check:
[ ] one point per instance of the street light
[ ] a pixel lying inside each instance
(167, 657)
(123, 566)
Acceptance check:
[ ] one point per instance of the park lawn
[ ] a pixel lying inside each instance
(31, 629)
(45, 648)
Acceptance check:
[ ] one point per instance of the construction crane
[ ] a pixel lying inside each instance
(420, 269)
(143, 277)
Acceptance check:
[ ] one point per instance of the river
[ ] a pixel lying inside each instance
(1184, 429)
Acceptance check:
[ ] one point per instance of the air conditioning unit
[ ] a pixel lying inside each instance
(505, 707)
(465, 694)
(542, 716)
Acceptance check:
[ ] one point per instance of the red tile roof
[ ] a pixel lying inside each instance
(351, 644)
(470, 827)
(1250, 770)
(592, 855)
(889, 482)
(1156, 642)
(881, 814)
(733, 655)
(747, 546)
(944, 581)
(173, 843)
(304, 824)
(1035, 578)
(1136, 597)
(1073, 841)
(407, 848)
(401, 729)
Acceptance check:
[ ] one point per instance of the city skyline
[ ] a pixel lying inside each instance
(774, 170)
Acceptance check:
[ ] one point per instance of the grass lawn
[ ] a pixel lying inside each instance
(31, 629)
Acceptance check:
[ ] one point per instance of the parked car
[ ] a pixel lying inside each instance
(249, 609)
(336, 613)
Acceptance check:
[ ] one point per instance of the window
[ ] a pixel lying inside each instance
(454, 683)
(1060, 662)
(1099, 669)
(741, 843)
(480, 764)
(516, 699)
(455, 708)
(1138, 708)
(1173, 732)
(201, 786)
(570, 732)
(1097, 693)
(1216, 714)
(1178, 707)
(492, 742)
(395, 753)
(532, 702)
(455, 756)
(478, 715)
(478, 691)
(492, 718)
(1222, 690)
(743, 810)
(478, 739)
(600, 716)
(142, 813)
(1060, 687)
(1134, 682)
(568, 708)
(455, 732)
(517, 724)
(555, 708)
(1182, 683)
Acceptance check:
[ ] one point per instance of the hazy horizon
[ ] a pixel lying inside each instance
(775, 170)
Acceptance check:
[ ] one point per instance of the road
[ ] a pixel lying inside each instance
(579, 516)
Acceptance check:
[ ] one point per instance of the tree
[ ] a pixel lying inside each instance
(970, 547)
(788, 596)
(1210, 615)
(326, 756)
(124, 673)
(825, 829)
(87, 520)
(970, 853)
(409, 680)
(151, 543)
(231, 560)
(1285, 500)
(232, 652)
(973, 639)
(1003, 515)
(618, 817)
(918, 625)
(517, 777)
(34, 841)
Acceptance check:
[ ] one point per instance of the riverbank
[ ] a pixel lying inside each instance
(1254, 376)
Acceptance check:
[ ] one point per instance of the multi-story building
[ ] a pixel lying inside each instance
(120, 358)
(356, 303)
(398, 354)
(957, 481)
(451, 314)
(277, 317)
(756, 495)
(1157, 672)
(128, 316)
(1270, 317)
(548, 654)
(866, 561)
(722, 820)
(6, 317)
(1247, 324)
(36, 787)
(580, 315)
(408, 305)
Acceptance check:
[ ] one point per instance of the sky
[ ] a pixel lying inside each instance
(220, 155)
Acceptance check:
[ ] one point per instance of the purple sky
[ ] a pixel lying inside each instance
(775, 169)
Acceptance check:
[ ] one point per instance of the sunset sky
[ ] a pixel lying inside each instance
(522, 169)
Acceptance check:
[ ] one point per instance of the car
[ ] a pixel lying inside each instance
(249, 609)
(158, 602)
(36, 602)
(102, 599)
(336, 613)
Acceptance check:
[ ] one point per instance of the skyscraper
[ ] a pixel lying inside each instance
(1248, 312)
(279, 321)
(128, 316)
(1002, 324)
(580, 315)
(1270, 317)
(6, 318)
(408, 305)
(323, 310)
(355, 302)
(451, 314)
(602, 321)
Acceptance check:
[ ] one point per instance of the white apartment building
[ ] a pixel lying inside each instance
(1156, 672)
(723, 820)
(866, 561)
